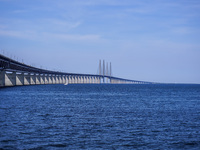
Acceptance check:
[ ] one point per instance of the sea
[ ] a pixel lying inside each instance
(100, 116)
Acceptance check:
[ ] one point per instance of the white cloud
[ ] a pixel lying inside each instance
(72, 37)
(16, 34)
(50, 36)
(61, 24)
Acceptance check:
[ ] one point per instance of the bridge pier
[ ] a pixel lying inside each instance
(46, 79)
(20, 79)
(91, 80)
(26, 78)
(69, 79)
(2, 78)
(81, 79)
(37, 79)
(59, 79)
(63, 79)
(77, 79)
(73, 79)
(86, 79)
(9, 78)
(42, 79)
(32, 79)
(50, 79)
(55, 79)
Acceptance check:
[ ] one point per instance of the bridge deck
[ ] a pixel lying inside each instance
(10, 70)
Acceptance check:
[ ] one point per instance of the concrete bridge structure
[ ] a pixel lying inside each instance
(14, 73)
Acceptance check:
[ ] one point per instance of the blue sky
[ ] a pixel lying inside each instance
(150, 40)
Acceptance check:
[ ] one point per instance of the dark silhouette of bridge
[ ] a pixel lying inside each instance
(13, 73)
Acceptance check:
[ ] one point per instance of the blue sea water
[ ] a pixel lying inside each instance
(100, 117)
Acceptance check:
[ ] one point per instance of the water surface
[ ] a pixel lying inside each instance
(100, 117)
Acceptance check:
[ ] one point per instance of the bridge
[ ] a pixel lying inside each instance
(14, 73)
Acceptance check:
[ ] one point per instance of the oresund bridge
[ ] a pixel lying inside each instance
(15, 73)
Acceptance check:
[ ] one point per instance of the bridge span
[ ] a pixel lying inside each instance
(14, 73)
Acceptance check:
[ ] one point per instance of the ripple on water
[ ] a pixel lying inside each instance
(100, 117)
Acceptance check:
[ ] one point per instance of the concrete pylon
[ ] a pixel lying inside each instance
(69, 79)
(38, 80)
(46, 79)
(50, 79)
(42, 79)
(2, 78)
(19, 79)
(27, 80)
(32, 79)
(7, 78)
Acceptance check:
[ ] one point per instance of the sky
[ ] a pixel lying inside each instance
(147, 40)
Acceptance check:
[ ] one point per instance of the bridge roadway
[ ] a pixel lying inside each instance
(13, 73)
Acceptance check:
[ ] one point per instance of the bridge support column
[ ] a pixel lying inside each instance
(20, 79)
(37, 79)
(7, 78)
(75, 80)
(72, 79)
(2, 78)
(53, 79)
(57, 79)
(90, 80)
(27, 79)
(98, 80)
(50, 79)
(84, 79)
(46, 79)
(10, 79)
(87, 80)
(93, 80)
(42, 79)
(32, 79)
(78, 79)
(69, 79)
(63, 79)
